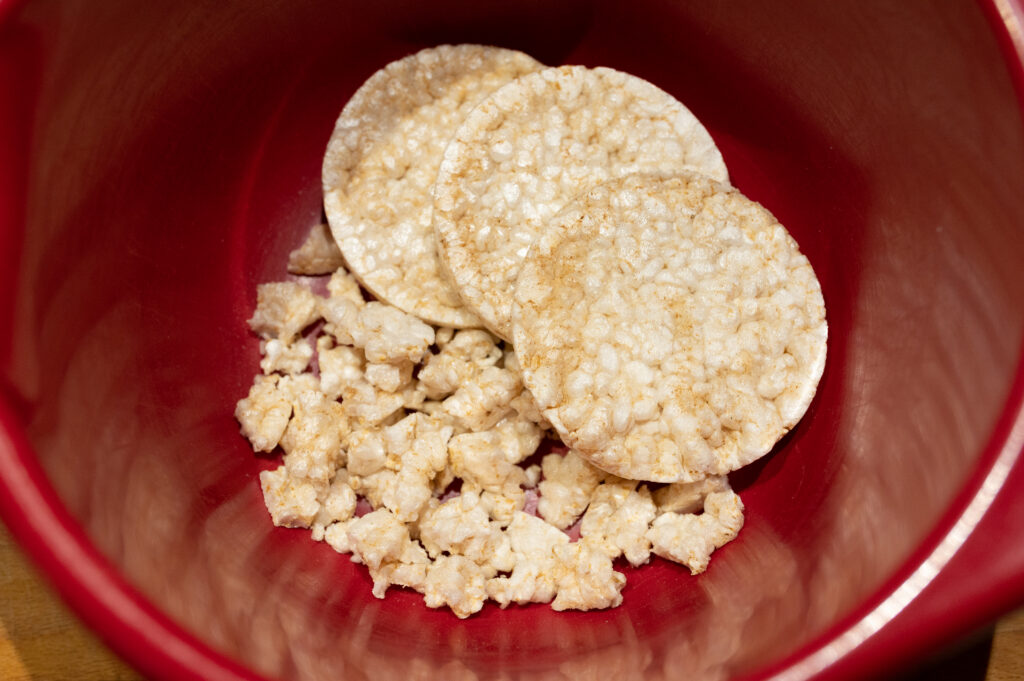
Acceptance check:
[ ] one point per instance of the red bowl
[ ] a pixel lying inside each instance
(158, 160)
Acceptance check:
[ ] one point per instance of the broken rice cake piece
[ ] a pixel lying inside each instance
(690, 539)
(318, 254)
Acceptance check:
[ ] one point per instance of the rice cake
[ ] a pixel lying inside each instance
(532, 146)
(669, 328)
(381, 162)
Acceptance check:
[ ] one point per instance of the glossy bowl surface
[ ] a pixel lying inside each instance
(158, 160)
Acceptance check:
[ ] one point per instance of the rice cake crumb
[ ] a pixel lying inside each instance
(688, 497)
(690, 539)
(618, 518)
(534, 579)
(669, 328)
(455, 581)
(569, 481)
(318, 254)
(588, 580)
(291, 502)
(530, 147)
(462, 526)
(264, 413)
(286, 358)
(283, 309)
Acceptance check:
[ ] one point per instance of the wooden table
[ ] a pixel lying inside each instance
(40, 640)
(1006, 661)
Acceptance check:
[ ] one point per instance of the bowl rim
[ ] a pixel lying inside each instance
(123, 618)
(907, 617)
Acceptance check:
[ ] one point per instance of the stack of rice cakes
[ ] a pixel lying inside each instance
(667, 328)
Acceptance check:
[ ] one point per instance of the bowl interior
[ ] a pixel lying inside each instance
(174, 160)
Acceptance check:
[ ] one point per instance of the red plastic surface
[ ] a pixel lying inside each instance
(158, 162)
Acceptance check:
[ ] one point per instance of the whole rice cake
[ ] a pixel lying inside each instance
(529, 148)
(669, 328)
(380, 165)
